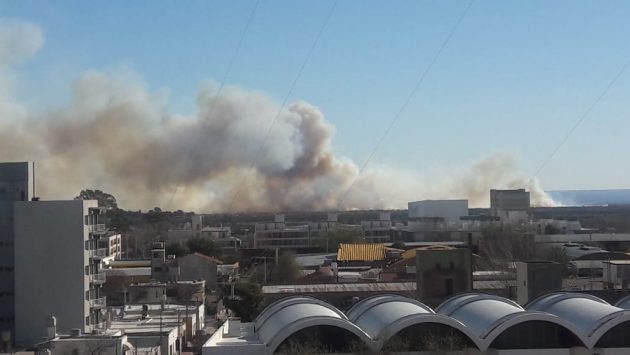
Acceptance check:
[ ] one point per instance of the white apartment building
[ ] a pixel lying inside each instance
(57, 268)
(110, 246)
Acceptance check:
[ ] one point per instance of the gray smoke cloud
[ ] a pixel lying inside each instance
(115, 135)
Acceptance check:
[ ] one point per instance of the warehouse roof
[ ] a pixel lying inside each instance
(557, 320)
(361, 252)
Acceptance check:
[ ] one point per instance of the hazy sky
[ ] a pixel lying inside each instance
(514, 78)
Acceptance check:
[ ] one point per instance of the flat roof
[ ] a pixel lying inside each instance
(617, 262)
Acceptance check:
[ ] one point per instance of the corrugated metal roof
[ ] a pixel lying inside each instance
(411, 253)
(361, 252)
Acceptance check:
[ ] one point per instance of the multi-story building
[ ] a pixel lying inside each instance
(57, 268)
(110, 246)
(450, 210)
(512, 206)
(277, 234)
(379, 230)
(15, 185)
(164, 268)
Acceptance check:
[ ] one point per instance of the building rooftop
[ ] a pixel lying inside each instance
(361, 252)
(558, 320)
(342, 287)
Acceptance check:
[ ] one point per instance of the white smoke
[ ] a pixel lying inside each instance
(117, 136)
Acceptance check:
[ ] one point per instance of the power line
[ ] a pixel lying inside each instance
(226, 74)
(583, 117)
(284, 102)
(407, 101)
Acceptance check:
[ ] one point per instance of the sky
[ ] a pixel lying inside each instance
(513, 79)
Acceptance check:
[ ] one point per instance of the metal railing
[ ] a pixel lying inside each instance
(98, 278)
(98, 302)
(97, 228)
(99, 253)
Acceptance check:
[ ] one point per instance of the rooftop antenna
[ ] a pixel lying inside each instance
(34, 196)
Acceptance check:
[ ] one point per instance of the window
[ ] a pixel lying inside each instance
(87, 269)
(87, 320)
(87, 295)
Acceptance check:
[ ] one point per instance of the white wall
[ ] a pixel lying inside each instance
(450, 210)
(50, 267)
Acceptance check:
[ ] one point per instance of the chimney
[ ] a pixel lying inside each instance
(52, 327)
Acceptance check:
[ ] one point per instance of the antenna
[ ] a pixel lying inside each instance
(33, 195)
(34, 179)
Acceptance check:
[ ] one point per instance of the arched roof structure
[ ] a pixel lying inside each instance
(383, 316)
(488, 316)
(623, 303)
(592, 316)
(289, 315)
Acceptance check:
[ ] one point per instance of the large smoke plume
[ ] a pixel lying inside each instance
(117, 136)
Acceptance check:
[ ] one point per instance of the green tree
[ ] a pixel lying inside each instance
(176, 249)
(399, 244)
(287, 270)
(247, 300)
(104, 199)
(204, 246)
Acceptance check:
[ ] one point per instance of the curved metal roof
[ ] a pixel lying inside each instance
(591, 315)
(623, 303)
(383, 316)
(488, 316)
(480, 317)
(289, 315)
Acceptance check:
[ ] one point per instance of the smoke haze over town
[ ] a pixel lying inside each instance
(240, 151)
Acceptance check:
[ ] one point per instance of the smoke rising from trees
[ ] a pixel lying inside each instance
(117, 136)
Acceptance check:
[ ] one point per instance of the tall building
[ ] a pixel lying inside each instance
(512, 206)
(15, 185)
(57, 268)
(450, 210)
(510, 200)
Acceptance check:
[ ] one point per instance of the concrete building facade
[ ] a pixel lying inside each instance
(379, 230)
(197, 266)
(57, 272)
(442, 273)
(277, 234)
(449, 210)
(534, 278)
(15, 185)
(512, 206)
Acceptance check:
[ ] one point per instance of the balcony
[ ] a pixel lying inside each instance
(99, 253)
(97, 228)
(98, 278)
(98, 302)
